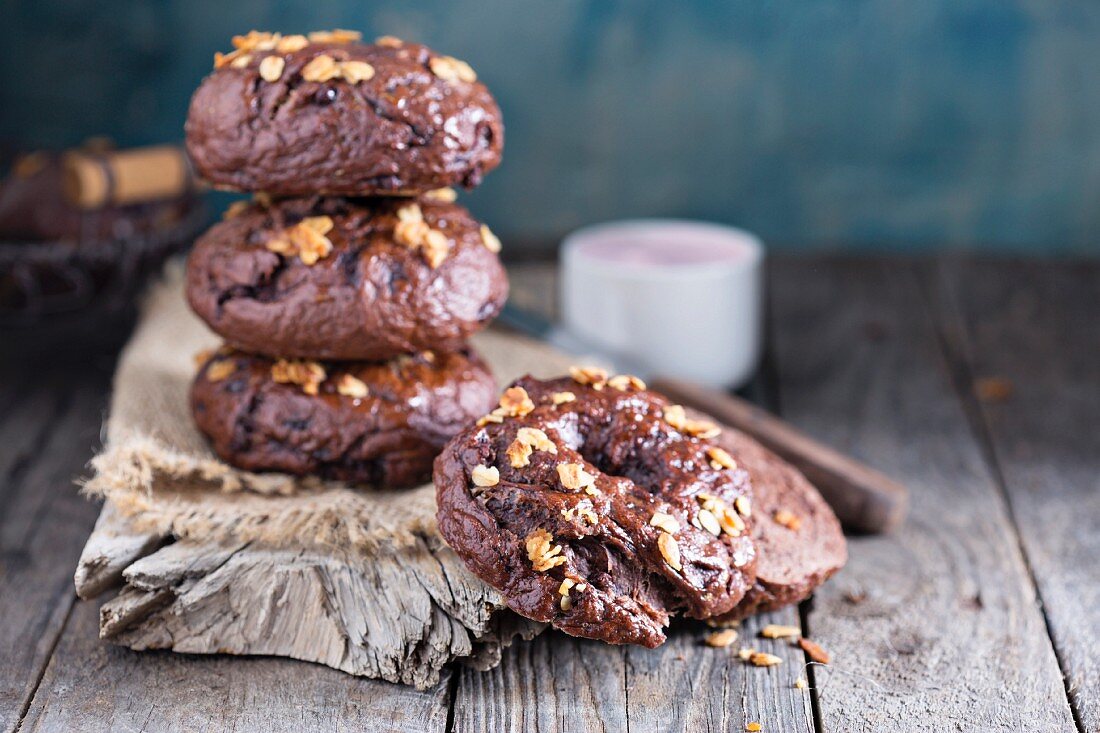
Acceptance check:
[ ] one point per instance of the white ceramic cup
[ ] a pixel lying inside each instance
(682, 297)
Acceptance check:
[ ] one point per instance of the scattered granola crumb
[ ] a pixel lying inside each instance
(721, 639)
(800, 684)
(994, 389)
(814, 651)
(754, 727)
(775, 631)
(763, 659)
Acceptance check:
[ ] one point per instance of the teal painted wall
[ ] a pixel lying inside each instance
(820, 123)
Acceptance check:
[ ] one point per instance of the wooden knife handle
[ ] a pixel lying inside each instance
(864, 499)
(120, 177)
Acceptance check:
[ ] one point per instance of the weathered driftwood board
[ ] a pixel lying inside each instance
(215, 560)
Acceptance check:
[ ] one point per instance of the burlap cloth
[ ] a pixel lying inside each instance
(158, 472)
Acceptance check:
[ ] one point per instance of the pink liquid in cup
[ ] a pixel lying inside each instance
(665, 246)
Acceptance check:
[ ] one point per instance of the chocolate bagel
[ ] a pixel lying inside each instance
(292, 115)
(336, 278)
(595, 505)
(377, 424)
(601, 514)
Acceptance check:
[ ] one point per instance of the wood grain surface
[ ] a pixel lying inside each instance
(974, 382)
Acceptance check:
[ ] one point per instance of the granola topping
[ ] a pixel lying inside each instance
(595, 377)
(490, 240)
(541, 551)
(485, 476)
(271, 68)
(451, 69)
(665, 521)
(306, 374)
(351, 386)
(306, 239)
(670, 551)
(574, 478)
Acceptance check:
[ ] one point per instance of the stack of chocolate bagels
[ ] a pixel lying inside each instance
(346, 290)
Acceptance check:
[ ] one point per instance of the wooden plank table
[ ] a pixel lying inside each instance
(974, 381)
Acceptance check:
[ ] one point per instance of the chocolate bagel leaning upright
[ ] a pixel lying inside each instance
(593, 504)
(338, 278)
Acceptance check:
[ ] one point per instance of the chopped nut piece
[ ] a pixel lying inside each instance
(709, 522)
(721, 459)
(309, 238)
(763, 659)
(410, 212)
(665, 521)
(389, 41)
(410, 233)
(201, 357)
(235, 209)
(356, 71)
(451, 69)
(704, 429)
(485, 476)
(519, 454)
(722, 639)
(745, 653)
(256, 40)
(322, 68)
(743, 506)
(338, 35)
(290, 44)
(351, 386)
(490, 240)
(560, 398)
(775, 631)
(729, 520)
(306, 374)
(566, 584)
(670, 551)
(537, 439)
(516, 402)
(435, 246)
(788, 520)
(623, 382)
(496, 416)
(241, 61)
(219, 370)
(675, 416)
(443, 195)
(542, 555)
(593, 376)
(814, 651)
(800, 684)
(574, 477)
(271, 68)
